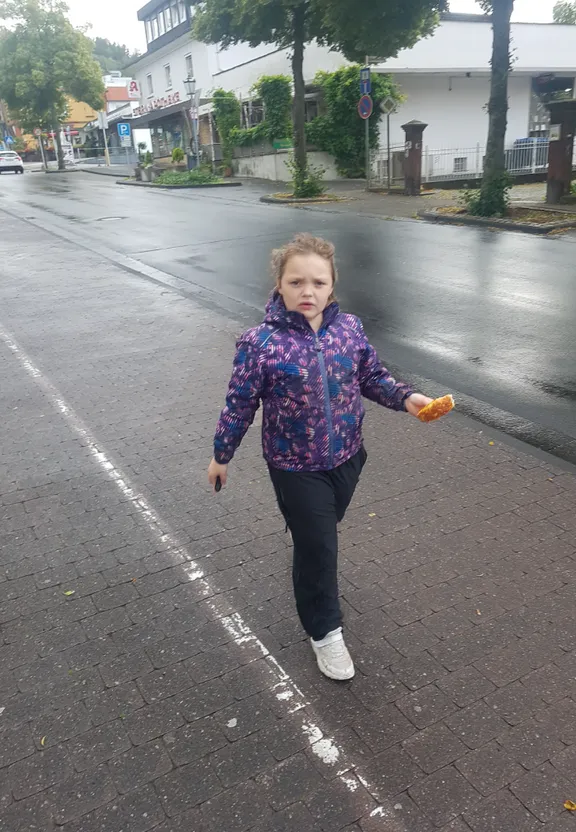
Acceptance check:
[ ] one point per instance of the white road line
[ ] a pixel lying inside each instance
(285, 688)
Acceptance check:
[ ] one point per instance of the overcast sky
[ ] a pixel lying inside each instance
(117, 20)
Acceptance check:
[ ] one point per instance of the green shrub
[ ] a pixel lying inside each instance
(178, 155)
(492, 200)
(199, 176)
(306, 184)
(276, 94)
(227, 117)
(339, 130)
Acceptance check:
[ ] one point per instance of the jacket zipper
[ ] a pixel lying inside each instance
(327, 408)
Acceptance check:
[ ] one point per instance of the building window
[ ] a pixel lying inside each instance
(149, 85)
(154, 27)
(460, 164)
(161, 27)
(182, 8)
(168, 18)
(168, 74)
(148, 31)
(189, 66)
(175, 14)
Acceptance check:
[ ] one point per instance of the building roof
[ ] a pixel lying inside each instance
(117, 94)
(149, 8)
(463, 43)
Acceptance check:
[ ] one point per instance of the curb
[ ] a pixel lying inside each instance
(431, 215)
(270, 199)
(135, 184)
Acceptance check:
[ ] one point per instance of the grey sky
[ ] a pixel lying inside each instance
(117, 20)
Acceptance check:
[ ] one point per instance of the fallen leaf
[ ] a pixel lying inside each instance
(570, 805)
(70, 592)
(43, 741)
(490, 443)
(478, 612)
(372, 515)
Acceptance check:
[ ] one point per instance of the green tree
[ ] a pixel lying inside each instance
(112, 56)
(379, 28)
(565, 12)
(44, 60)
(492, 200)
(339, 131)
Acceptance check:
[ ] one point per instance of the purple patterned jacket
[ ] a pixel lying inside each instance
(311, 386)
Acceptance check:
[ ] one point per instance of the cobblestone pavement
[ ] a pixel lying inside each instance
(153, 675)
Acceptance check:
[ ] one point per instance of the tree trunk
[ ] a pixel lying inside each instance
(299, 111)
(58, 143)
(493, 199)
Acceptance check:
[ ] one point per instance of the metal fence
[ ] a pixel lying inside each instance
(525, 156)
(118, 156)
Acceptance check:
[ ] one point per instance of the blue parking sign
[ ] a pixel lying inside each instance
(124, 130)
(365, 81)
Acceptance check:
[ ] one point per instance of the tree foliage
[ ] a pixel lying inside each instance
(381, 28)
(339, 130)
(112, 56)
(565, 12)
(44, 60)
(275, 92)
(227, 117)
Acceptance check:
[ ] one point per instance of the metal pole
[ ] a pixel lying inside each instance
(41, 143)
(195, 129)
(106, 153)
(196, 122)
(389, 159)
(367, 140)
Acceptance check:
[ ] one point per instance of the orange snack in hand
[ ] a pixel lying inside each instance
(436, 409)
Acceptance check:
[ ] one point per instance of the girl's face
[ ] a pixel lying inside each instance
(306, 287)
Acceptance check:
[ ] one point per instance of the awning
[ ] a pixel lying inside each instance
(159, 115)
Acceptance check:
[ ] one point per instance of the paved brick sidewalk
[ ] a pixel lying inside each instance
(152, 672)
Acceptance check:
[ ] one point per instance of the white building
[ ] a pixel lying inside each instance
(445, 78)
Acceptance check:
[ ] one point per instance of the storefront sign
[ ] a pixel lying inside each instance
(157, 104)
(134, 90)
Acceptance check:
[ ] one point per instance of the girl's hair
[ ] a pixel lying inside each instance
(303, 244)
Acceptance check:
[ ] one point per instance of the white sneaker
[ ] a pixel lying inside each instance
(333, 657)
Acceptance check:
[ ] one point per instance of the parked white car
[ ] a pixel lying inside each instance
(9, 160)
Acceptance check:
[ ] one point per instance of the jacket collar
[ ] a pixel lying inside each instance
(277, 315)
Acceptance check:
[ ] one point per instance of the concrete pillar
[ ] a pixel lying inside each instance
(560, 154)
(413, 157)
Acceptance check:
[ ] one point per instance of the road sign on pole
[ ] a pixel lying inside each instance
(124, 130)
(365, 107)
(388, 106)
(365, 81)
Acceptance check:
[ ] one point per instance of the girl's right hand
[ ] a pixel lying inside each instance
(216, 470)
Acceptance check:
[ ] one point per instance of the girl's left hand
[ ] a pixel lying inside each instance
(416, 402)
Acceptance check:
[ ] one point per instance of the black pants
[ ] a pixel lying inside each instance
(313, 504)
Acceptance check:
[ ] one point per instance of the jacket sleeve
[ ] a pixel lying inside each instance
(242, 401)
(376, 383)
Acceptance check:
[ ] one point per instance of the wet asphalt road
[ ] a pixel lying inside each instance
(489, 315)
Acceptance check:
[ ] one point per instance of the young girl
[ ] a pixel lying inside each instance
(310, 365)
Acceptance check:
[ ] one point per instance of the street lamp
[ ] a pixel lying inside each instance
(194, 95)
